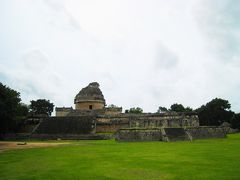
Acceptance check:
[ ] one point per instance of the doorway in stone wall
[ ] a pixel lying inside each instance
(90, 106)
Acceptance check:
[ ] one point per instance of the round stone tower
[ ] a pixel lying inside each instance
(90, 98)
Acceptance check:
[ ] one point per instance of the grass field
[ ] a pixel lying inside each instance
(201, 159)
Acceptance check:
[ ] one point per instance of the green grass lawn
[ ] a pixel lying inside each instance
(201, 159)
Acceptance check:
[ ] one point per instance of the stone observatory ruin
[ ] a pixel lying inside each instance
(90, 98)
(91, 119)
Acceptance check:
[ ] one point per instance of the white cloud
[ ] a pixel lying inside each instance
(165, 59)
(143, 53)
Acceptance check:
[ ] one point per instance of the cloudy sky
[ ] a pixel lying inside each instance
(145, 53)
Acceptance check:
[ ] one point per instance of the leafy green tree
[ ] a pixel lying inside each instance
(41, 107)
(235, 121)
(22, 110)
(9, 108)
(136, 110)
(215, 112)
(188, 109)
(112, 106)
(177, 108)
(162, 109)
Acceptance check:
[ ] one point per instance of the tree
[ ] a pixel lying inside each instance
(112, 106)
(41, 107)
(9, 107)
(162, 109)
(136, 110)
(215, 112)
(177, 108)
(235, 121)
(22, 110)
(188, 109)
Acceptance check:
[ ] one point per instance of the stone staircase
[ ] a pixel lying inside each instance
(176, 134)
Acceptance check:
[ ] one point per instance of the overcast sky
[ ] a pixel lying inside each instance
(145, 53)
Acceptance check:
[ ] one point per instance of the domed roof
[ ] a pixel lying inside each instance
(90, 93)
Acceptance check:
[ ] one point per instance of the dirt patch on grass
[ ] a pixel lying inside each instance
(8, 145)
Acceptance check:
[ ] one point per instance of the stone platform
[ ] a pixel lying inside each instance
(169, 134)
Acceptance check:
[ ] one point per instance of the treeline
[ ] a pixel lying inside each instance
(174, 108)
(13, 112)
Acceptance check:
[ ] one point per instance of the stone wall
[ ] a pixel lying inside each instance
(63, 111)
(93, 112)
(136, 134)
(169, 134)
(108, 124)
(152, 134)
(206, 132)
(113, 110)
(114, 122)
(106, 128)
(86, 105)
(66, 125)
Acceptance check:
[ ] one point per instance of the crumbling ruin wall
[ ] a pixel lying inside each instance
(111, 123)
(63, 111)
(169, 134)
(107, 128)
(207, 132)
(152, 134)
(113, 110)
(134, 134)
